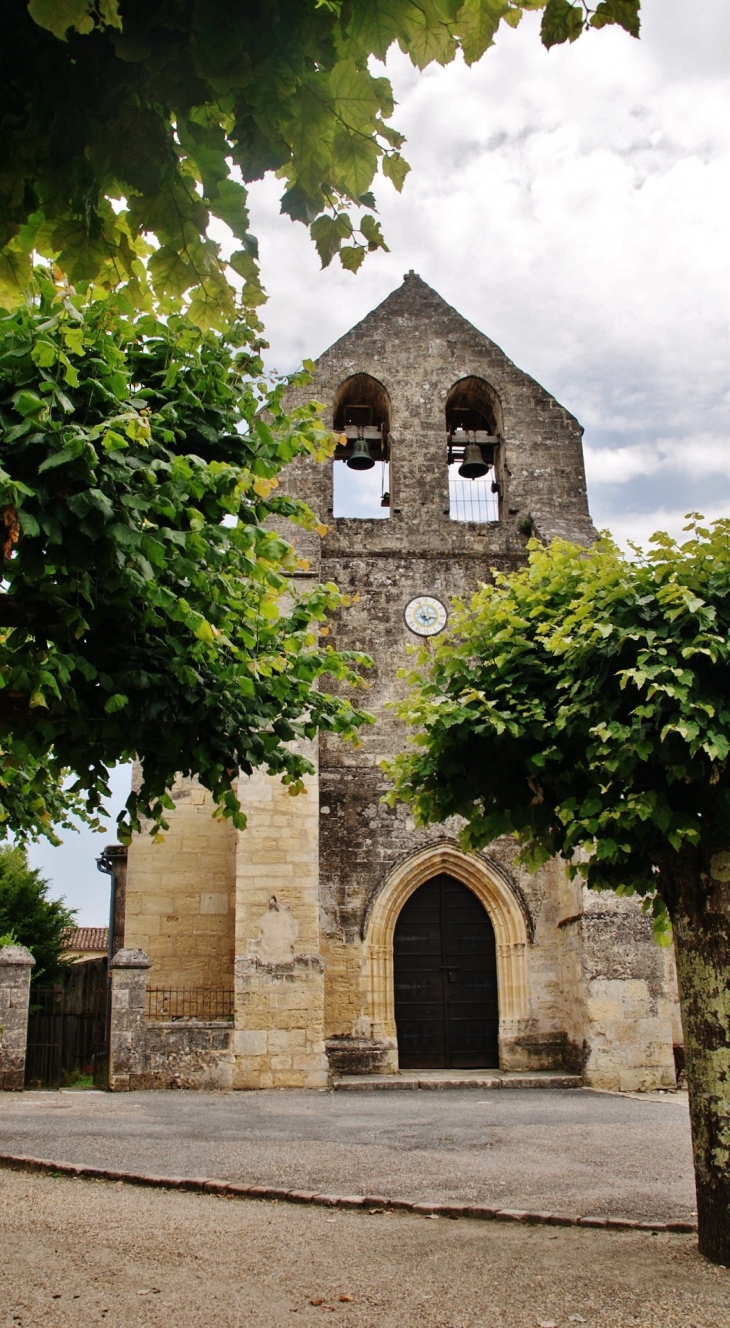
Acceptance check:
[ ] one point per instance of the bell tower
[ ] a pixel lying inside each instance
(476, 456)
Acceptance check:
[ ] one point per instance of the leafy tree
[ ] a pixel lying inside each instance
(143, 607)
(30, 917)
(582, 705)
(172, 108)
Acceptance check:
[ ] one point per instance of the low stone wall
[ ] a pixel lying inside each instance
(188, 1054)
(165, 1053)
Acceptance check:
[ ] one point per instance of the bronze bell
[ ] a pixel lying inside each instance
(360, 458)
(473, 466)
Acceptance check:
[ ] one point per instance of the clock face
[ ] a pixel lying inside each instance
(425, 615)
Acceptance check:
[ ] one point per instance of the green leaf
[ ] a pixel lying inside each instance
(28, 403)
(357, 96)
(28, 523)
(229, 204)
(74, 339)
(70, 452)
(561, 22)
(328, 234)
(373, 25)
(623, 12)
(60, 15)
(115, 702)
(109, 11)
(44, 354)
(244, 264)
(428, 33)
(80, 255)
(351, 257)
(14, 275)
(395, 168)
(206, 311)
(477, 23)
(114, 442)
(355, 161)
(204, 632)
(170, 272)
(370, 228)
(392, 137)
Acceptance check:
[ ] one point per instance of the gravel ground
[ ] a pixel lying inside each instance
(89, 1252)
(566, 1151)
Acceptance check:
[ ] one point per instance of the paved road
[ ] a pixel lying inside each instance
(81, 1252)
(565, 1151)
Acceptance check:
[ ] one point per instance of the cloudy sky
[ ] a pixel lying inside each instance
(574, 206)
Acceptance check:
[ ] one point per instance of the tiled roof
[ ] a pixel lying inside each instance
(87, 938)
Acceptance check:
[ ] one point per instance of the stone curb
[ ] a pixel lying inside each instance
(386, 1084)
(367, 1203)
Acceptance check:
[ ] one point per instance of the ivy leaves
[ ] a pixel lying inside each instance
(148, 606)
(128, 127)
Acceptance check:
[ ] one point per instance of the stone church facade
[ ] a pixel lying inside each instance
(351, 941)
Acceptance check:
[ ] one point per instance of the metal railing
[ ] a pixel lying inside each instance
(473, 500)
(201, 1004)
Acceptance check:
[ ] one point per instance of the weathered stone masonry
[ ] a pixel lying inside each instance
(299, 911)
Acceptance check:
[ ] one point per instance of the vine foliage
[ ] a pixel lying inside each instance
(129, 124)
(149, 606)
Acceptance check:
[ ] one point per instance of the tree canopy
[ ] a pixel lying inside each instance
(582, 705)
(29, 916)
(128, 124)
(144, 609)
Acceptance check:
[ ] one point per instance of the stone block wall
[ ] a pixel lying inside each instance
(279, 1036)
(188, 1054)
(630, 1008)
(279, 976)
(180, 895)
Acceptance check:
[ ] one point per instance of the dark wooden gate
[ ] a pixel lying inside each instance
(67, 1029)
(445, 977)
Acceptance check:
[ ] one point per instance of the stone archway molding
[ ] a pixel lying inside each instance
(505, 912)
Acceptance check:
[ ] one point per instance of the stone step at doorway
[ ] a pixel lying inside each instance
(438, 1079)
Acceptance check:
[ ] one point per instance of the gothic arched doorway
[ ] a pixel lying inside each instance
(445, 979)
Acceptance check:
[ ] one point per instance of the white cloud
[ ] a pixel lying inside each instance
(639, 526)
(700, 455)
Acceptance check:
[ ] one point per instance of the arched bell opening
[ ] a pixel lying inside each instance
(473, 423)
(361, 471)
(445, 979)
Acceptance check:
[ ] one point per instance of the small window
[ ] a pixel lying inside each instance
(361, 470)
(472, 452)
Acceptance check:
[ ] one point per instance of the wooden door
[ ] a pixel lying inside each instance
(445, 978)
